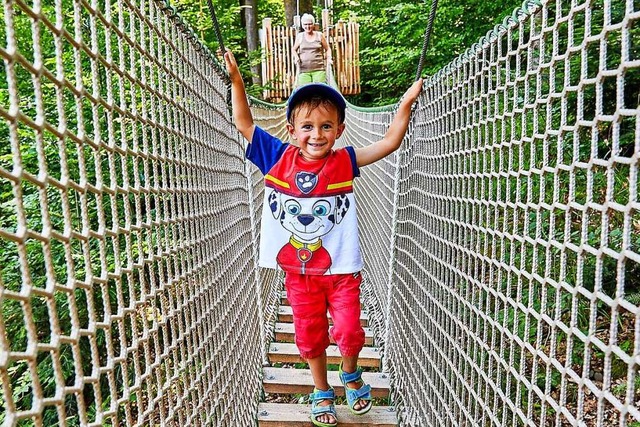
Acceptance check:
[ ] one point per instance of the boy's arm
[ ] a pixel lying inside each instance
(393, 138)
(241, 112)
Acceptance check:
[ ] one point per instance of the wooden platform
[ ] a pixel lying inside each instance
(288, 353)
(299, 381)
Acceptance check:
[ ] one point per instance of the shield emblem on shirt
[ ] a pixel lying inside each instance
(306, 182)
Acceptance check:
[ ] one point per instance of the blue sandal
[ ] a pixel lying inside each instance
(316, 410)
(353, 395)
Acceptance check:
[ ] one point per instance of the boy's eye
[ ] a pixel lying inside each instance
(306, 127)
(326, 127)
(292, 207)
(321, 208)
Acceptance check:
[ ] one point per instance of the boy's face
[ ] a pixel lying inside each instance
(315, 129)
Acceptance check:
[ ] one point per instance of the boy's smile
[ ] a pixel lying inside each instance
(315, 130)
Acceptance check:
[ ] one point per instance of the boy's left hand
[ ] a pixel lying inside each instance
(232, 66)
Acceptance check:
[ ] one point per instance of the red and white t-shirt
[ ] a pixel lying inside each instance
(309, 222)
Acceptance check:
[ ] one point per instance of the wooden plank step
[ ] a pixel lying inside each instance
(297, 415)
(288, 353)
(285, 332)
(285, 314)
(285, 301)
(299, 381)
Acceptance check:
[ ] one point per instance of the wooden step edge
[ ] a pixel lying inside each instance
(297, 415)
(285, 315)
(285, 332)
(288, 353)
(300, 381)
(285, 301)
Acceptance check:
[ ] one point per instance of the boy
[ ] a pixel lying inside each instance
(309, 226)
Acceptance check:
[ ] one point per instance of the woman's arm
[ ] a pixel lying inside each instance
(327, 49)
(296, 46)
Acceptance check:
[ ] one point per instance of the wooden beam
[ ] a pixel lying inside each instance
(297, 415)
(297, 381)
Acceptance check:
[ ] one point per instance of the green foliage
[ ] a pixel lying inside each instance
(229, 16)
(392, 35)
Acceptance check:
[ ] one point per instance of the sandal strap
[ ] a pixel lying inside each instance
(346, 377)
(362, 393)
(327, 409)
(319, 395)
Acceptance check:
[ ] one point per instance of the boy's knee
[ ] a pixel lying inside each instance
(312, 335)
(349, 338)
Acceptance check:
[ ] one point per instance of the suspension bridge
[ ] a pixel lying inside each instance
(501, 241)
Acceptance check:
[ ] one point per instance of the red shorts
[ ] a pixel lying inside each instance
(310, 297)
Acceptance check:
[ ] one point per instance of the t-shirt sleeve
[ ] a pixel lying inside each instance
(354, 163)
(264, 150)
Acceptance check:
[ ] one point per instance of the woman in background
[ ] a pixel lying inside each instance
(310, 51)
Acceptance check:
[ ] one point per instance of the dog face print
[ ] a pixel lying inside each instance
(308, 219)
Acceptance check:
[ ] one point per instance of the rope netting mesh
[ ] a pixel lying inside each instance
(127, 250)
(516, 276)
(501, 242)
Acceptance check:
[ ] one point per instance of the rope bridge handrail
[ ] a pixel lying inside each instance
(501, 243)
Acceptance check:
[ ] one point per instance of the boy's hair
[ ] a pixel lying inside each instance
(313, 95)
(315, 102)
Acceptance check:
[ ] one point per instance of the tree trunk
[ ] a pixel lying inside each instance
(250, 14)
(291, 9)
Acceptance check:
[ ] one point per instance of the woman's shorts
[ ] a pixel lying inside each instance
(312, 77)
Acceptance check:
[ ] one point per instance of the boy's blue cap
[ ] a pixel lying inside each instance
(316, 89)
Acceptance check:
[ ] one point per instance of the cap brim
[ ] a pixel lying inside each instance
(315, 89)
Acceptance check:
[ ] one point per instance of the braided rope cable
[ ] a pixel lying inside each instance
(216, 25)
(427, 37)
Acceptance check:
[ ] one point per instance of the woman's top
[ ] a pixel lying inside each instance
(311, 53)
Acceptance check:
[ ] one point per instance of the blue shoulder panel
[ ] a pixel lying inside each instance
(264, 150)
(354, 163)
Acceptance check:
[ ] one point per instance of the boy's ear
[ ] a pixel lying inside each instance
(340, 130)
(290, 129)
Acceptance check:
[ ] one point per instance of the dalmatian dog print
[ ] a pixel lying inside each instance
(307, 219)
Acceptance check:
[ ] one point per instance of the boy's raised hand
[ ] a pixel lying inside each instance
(412, 93)
(232, 66)
(241, 112)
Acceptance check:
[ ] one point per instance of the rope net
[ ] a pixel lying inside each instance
(128, 286)
(501, 242)
(514, 292)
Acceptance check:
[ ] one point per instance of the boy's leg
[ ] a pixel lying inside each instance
(349, 365)
(307, 299)
(344, 307)
(318, 368)
(308, 303)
